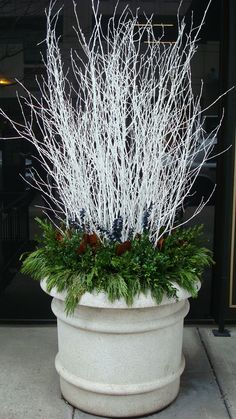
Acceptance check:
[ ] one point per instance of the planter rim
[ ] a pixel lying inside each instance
(100, 300)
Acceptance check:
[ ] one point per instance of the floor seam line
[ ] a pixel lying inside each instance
(224, 399)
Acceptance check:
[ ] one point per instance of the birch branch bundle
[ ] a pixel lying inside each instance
(121, 143)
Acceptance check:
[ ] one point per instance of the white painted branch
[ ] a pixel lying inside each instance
(124, 138)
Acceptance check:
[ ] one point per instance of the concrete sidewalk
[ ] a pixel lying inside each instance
(29, 385)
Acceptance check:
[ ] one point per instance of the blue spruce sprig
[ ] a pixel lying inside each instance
(145, 218)
(117, 227)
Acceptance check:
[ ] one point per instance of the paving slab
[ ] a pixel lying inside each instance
(199, 396)
(29, 385)
(222, 355)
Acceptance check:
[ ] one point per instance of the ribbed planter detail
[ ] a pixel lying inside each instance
(120, 361)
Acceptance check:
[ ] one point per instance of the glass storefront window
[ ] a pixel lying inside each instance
(22, 293)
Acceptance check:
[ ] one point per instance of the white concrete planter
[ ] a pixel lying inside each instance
(118, 361)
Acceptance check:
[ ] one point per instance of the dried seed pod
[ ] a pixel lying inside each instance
(58, 236)
(160, 243)
(123, 247)
(82, 248)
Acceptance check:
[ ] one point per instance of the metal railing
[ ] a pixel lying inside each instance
(14, 218)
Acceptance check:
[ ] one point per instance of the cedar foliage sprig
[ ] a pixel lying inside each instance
(76, 262)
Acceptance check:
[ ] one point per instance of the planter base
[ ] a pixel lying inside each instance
(119, 405)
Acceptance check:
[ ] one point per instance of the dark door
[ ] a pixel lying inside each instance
(224, 292)
(20, 297)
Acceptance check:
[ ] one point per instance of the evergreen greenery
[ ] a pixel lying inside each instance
(76, 262)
